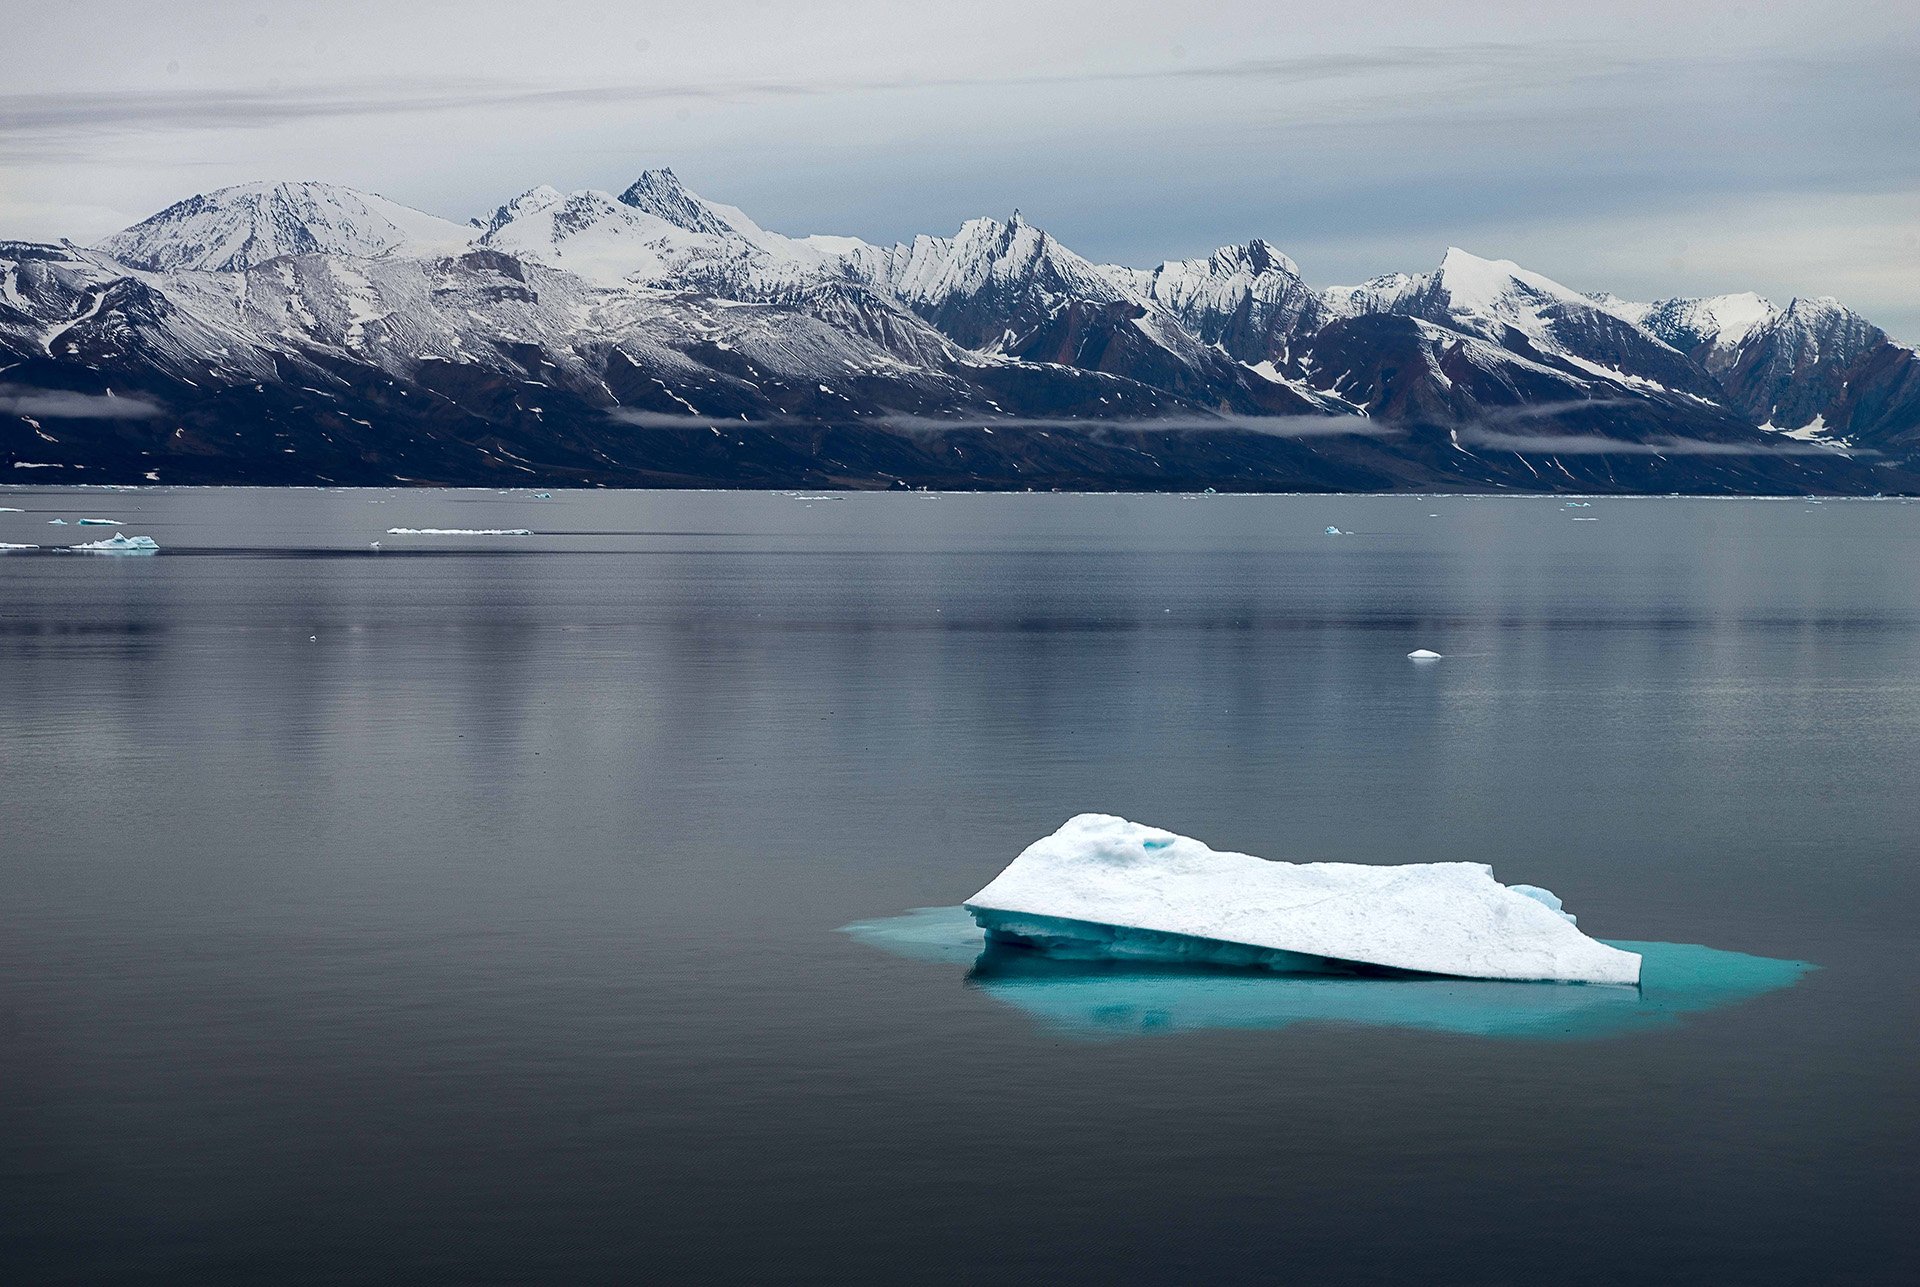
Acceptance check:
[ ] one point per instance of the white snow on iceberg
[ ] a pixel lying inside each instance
(118, 543)
(1103, 887)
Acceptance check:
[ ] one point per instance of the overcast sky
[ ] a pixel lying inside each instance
(1646, 148)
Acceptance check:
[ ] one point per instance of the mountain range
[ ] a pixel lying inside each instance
(306, 333)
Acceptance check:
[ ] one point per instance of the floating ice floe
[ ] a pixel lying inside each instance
(101, 522)
(118, 543)
(1104, 888)
(9, 545)
(1423, 654)
(458, 531)
(57, 522)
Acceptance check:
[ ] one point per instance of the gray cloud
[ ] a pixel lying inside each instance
(233, 108)
(57, 404)
(1275, 426)
(1600, 445)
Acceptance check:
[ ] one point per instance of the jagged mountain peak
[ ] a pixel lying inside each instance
(1262, 256)
(661, 194)
(232, 229)
(1824, 326)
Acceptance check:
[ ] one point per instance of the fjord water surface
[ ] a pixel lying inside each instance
(465, 910)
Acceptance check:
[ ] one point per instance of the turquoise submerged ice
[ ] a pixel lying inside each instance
(1104, 888)
(1099, 999)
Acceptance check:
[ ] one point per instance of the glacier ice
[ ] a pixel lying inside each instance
(119, 543)
(1102, 887)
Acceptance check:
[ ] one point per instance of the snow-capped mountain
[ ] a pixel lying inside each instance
(306, 332)
(1250, 300)
(1795, 367)
(232, 229)
(988, 284)
(1539, 319)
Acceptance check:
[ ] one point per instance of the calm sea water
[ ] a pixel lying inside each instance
(467, 910)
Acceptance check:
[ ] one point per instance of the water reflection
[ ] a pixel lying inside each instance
(1101, 1000)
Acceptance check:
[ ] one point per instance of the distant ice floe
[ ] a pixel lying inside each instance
(119, 543)
(1104, 888)
(9, 545)
(102, 522)
(458, 531)
(1423, 654)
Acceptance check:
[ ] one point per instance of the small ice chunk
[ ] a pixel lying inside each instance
(1103, 886)
(543, 495)
(119, 543)
(1334, 531)
(1423, 654)
(458, 531)
(57, 522)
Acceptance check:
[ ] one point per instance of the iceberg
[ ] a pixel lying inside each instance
(119, 543)
(1104, 888)
(1423, 654)
(458, 531)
